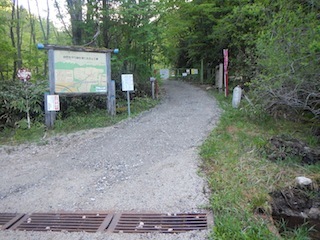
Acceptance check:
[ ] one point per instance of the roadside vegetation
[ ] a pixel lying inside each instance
(75, 121)
(241, 177)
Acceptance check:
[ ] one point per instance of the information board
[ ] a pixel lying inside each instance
(80, 72)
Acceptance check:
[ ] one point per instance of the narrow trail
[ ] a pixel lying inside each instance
(148, 163)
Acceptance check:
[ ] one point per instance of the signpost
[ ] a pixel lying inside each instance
(152, 80)
(78, 70)
(225, 64)
(127, 85)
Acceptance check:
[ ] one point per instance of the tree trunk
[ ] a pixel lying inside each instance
(13, 42)
(105, 20)
(32, 42)
(75, 11)
(19, 37)
(56, 4)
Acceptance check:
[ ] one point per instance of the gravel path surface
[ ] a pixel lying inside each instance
(148, 163)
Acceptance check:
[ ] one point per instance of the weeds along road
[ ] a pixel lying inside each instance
(148, 163)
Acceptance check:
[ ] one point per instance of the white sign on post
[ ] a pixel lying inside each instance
(127, 82)
(127, 85)
(53, 103)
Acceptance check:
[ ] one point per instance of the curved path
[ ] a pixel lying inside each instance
(148, 163)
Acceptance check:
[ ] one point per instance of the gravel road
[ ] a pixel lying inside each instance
(148, 163)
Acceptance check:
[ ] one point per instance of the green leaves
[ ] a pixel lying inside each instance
(288, 60)
(13, 101)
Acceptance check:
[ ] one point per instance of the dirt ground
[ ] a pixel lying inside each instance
(296, 205)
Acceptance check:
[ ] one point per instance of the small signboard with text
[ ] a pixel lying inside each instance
(127, 85)
(164, 73)
(53, 103)
(194, 71)
(127, 82)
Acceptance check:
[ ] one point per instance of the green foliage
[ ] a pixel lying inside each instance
(73, 105)
(288, 49)
(72, 122)
(22, 133)
(300, 233)
(275, 45)
(236, 225)
(15, 99)
(240, 178)
(82, 121)
(138, 25)
(201, 29)
(140, 104)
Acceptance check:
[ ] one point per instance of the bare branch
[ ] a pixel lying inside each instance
(56, 4)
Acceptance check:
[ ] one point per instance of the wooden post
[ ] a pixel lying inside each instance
(50, 116)
(110, 105)
(225, 65)
(47, 113)
(152, 89)
(201, 72)
(128, 100)
(220, 76)
(113, 98)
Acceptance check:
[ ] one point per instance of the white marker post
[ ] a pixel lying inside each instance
(152, 80)
(127, 85)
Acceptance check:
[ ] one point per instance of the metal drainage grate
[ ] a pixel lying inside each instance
(106, 222)
(8, 219)
(69, 222)
(163, 223)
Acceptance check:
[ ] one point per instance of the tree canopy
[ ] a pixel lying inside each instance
(274, 45)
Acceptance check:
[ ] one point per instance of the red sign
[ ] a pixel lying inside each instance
(226, 59)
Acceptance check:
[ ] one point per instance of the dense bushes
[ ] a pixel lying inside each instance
(288, 51)
(16, 98)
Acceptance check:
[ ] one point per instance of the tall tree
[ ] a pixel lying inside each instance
(6, 48)
(16, 35)
(76, 15)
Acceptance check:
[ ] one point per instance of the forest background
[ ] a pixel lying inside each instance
(274, 47)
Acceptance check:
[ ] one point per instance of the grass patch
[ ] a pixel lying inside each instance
(240, 177)
(76, 122)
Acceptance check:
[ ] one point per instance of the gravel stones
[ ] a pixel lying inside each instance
(148, 163)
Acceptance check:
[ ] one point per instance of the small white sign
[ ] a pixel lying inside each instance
(164, 73)
(53, 103)
(127, 82)
(184, 74)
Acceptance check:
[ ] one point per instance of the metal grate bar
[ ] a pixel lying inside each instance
(8, 219)
(71, 222)
(164, 223)
(106, 223)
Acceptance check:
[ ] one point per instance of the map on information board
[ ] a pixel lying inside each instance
(80, 72)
